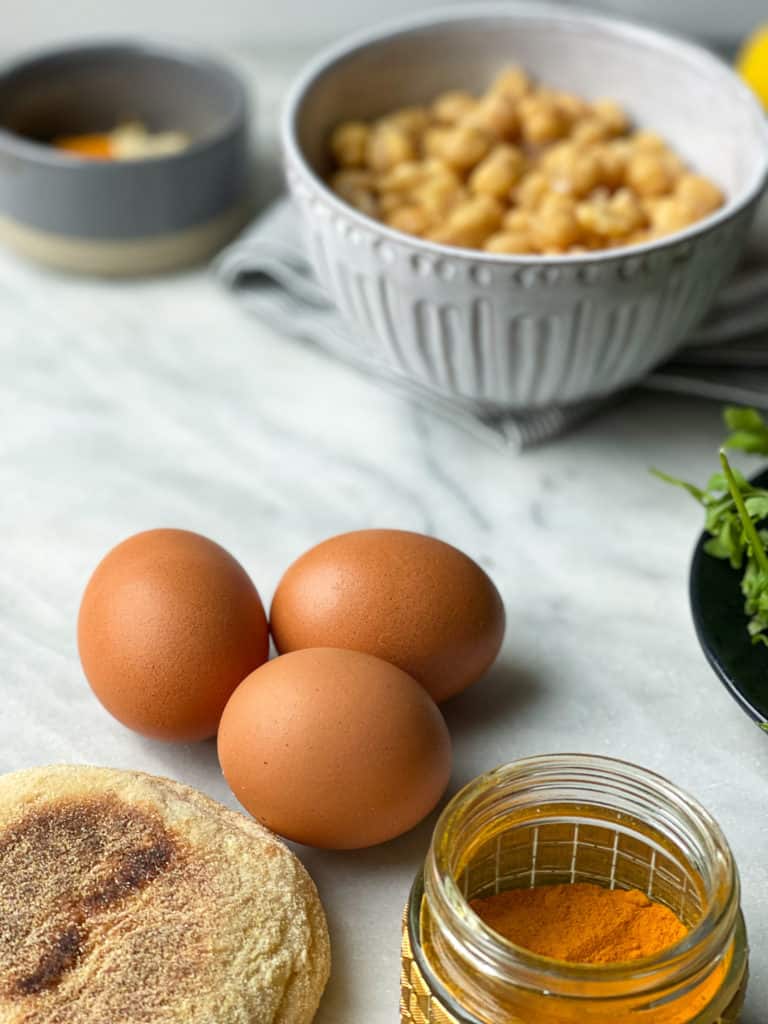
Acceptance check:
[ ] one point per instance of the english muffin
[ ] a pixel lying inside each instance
(130, 899)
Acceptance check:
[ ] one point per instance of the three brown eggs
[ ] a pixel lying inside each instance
(338, 742)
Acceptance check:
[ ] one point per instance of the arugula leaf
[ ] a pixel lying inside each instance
(718, 481)
(738, 417)
(734, 509)
(695, 492)
(757, 506)
(749, 431)
(754, 583)
(754, 444)
(727, 544)
(753, 542)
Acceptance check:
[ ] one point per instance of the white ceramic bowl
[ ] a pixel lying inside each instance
(521, 332)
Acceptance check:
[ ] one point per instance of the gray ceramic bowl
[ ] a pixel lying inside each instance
(524, 331)
(131, 217)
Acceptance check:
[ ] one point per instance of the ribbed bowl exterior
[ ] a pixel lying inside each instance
(509, 335)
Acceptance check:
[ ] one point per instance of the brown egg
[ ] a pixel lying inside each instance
(169, 625)
(334, 748)
(407, 598)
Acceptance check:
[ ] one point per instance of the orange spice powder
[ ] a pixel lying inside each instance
(582, 923)
(97, 146)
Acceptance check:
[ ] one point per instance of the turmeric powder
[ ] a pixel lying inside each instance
(130, 141)
(582, 923)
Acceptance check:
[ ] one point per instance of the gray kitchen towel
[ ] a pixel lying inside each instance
(726, 360)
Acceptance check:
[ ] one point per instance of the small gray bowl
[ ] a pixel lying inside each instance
(110, 217)
(521, 332)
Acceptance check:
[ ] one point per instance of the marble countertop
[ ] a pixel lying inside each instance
(130, 405)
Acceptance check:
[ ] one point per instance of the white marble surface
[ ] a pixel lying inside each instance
(126, 406)
(228, 22)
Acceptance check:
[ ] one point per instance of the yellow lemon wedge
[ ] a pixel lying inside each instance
(752, 63)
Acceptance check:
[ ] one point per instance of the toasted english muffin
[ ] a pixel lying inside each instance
(130, 899)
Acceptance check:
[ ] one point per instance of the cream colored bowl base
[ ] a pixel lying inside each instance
(133, 258)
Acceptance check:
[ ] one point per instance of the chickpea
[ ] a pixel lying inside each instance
(613, 157)
(613, 216)
(532, 190)
(638, 237)
(389, 202)
(700, 195)
(649, 174)
(413, 220)
(668, 215)
(612, 116)
(461, 148)
(437, 168)
(648, 141)
(589, 131)
(495, 115)
(516, 221)
(675, 166)
(646, 150)
(576, 172)
(555, 203)
(366, 203)
(440, 170)
(651, 204)
(403, 177)
(351, 178)
(512, 82)
(510, 242)
(541, 120)
(587, 174)
(452, 106)
(519, 169)
(438, 194)
(349, 142)
(555, 226)
(557, 155)
(573, 108)
(498, 173)
(355, 188)
(388, 146)
(628, 210)
(470, 223)
(433, 141)
(467, 148)
(587, 245)
(414, 121)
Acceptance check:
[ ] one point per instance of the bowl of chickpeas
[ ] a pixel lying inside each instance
(521, 206)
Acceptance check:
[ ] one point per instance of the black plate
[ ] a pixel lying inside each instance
(721, 626)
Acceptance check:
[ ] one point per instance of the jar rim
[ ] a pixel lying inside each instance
(713, 929)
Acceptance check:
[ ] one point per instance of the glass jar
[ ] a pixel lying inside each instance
(573, 818)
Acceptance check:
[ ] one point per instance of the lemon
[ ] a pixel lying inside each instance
(752, 63)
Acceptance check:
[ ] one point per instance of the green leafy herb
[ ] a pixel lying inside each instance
(749, 431)
(734, 510)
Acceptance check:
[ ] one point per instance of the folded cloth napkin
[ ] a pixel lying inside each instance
(726, 360)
